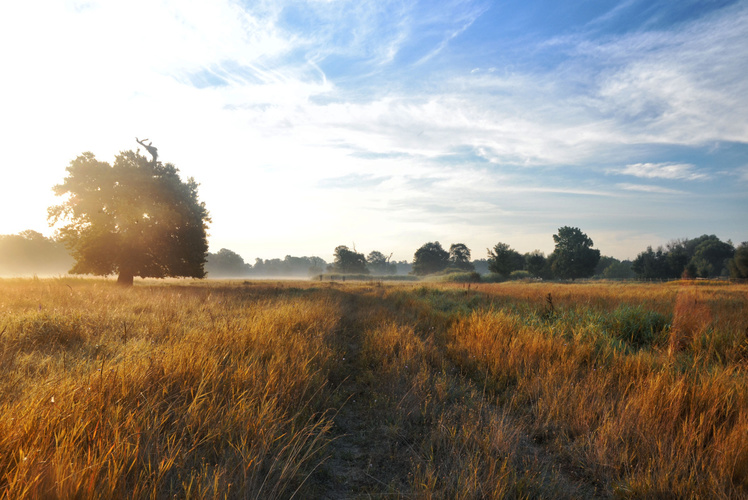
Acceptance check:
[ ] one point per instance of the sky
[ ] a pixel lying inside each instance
(383, 125)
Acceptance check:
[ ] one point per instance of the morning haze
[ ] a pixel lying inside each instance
(337, 249)
(315, 124)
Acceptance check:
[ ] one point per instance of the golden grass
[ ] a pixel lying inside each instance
(691, 318)
(310, 390)
(140, 393)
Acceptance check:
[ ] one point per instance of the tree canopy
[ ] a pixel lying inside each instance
(706, 257)
(535, 262)
(739, 263)
(711, 257)
(459, 257)
(503, 260)
(30, 252)
(573, 256)
(618, 270)
(652, 264)
(378, 263)
(134, 218)
(289, 266)
(226, 264)
(430, 258)
(349, 261)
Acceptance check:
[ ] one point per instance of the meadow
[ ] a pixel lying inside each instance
(190, 389)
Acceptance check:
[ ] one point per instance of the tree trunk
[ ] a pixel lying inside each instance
(125, 278)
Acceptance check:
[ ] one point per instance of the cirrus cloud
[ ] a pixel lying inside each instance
(681, 171)
(648, 188)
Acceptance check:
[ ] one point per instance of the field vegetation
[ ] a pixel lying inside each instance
(190, 389)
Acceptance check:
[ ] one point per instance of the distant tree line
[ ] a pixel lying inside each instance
(376, 263)
(703, 257)
(30, 252)
(572, 258)
(228, 264)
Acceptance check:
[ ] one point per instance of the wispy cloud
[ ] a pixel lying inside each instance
(652, 87)
(684, 171)
(269, 101)
(354, 181)
(675, 86)
(468, 13)
(648, 188)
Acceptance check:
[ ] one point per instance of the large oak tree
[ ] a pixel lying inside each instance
(133, 218)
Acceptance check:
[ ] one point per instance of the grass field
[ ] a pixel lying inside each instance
(329, 390)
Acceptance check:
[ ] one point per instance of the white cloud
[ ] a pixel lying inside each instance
(92, 78)
(465, 20)
(678, 86)
(684, 171)
(648, 188)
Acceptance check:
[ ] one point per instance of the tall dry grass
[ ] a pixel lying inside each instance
(623, 418)
(367, 390)
(156, 392)
(691, 318)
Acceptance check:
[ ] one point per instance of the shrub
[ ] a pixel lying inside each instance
(520, 275)
(636, 325)
(492, 278)
(460, 277)
(362, 277)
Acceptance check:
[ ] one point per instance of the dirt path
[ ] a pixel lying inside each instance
(364, 460)
(379, 441)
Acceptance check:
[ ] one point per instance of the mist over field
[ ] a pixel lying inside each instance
(374, 249)
(385, 125)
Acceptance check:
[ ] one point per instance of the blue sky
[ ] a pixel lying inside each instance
(384, 125)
